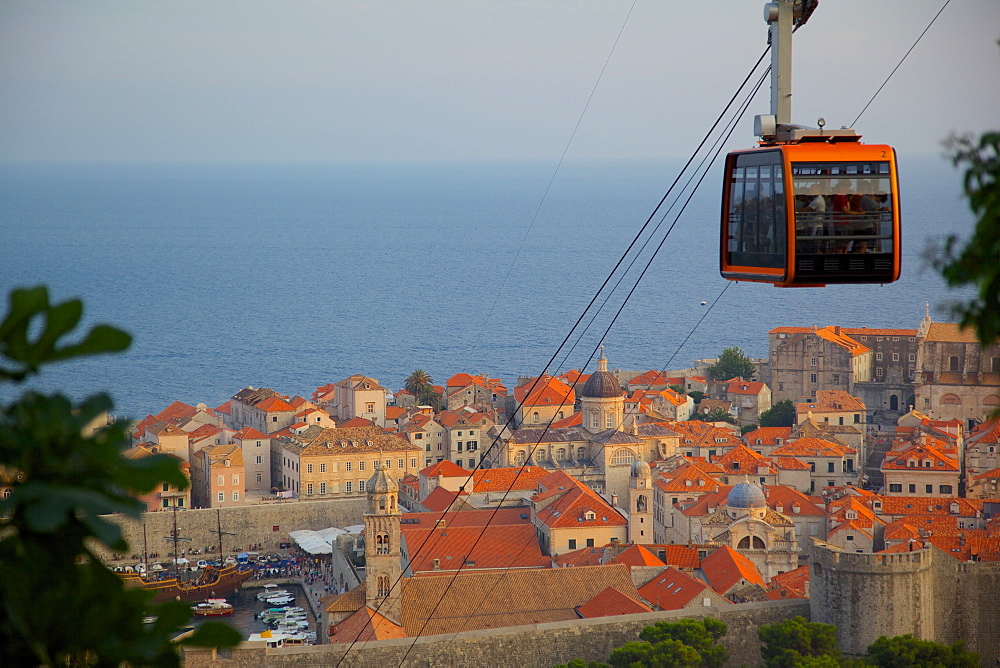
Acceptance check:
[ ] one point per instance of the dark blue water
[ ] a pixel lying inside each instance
(295, 276)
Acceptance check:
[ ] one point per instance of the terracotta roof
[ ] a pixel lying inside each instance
(318, 441)
(446, 468)
(439, 499)
(790, 464)
(609, 603)
(495, 599)
(587, 556)
(767, 435)
(574, 420)
(394, 412)
(473, 547)
(507, 478)
(725, 567)
(672, 589)
(901, 506)
(177, 409)
(950, 332)
(249, 433)
(637, 555)
(572, 503)
(274, 405)
(365, 625)
(357, 422)
(548, 392)
(650, 379)
(899, 460)
(689, 478)
(743, 460)
(812, 447)
(792, 584)
(745, 387)
(468, 518)
(831, 401)
(225, 408)
(702, 434)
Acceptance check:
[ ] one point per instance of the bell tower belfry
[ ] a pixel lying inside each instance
(383, 556)
(640, 510)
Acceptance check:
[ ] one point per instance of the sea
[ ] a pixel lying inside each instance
(294, 276)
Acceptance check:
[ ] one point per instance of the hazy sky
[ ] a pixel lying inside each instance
(466, 79)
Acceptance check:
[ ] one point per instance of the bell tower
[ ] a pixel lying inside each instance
(383, 557)
(640, 510)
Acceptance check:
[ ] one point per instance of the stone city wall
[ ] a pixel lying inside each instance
(542, 645)
(263, 524)
(927, 593)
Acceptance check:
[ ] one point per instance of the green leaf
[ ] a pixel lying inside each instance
(213, 634)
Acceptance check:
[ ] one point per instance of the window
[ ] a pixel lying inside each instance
(258, 444)
(322, 487)
(953, 363)
(361, 466)
(878, 372)
(830, 467)
(166, 502)
(912, 489)
(236, 496)
(370, 407)
(274, 419)
(222, 497)
(878, 357)
(166, 487)
(590, 542)
(349, 485)
(896, 488)
(413, 462)
(361, 485)
(994, 364)
(812, 378)
(535, 416)
(402, 463)
(259, 459)
(236, 479)
(857, 418)
(595, 421)
(348, 468)
(928, 489)
(812, 362)
(913, 358)
(459, 446)
(895, 357)
(572, 543)
(812, 466)
(610, 421)
(836, 378)
(322, 468)
(472, 432)
(945, 489)
(418, 436)
(878, 338)
(222, 480)
(260, 477)
(471, 445)
(388, 464)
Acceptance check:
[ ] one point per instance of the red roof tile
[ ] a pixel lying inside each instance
(725, 567)
(637, 555)
(609, 603)
(672, 589)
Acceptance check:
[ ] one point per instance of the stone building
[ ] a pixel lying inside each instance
(804, 360)
(218, 477)
(956, 377)
(358, 396)
(261, 408)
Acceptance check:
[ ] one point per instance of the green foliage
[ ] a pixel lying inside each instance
(732, 363)
(58, 603)
(580, 663)
(679, 389)
(714, 415)
(905, 651)
(666, 654)
(747, 428)
(795, 641)
(781, 414)
(696, 395)
(975, 263)
(421, 386)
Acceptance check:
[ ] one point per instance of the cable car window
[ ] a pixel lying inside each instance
(756, 212)
(842, 207)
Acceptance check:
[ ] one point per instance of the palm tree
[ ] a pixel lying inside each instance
(419, 382)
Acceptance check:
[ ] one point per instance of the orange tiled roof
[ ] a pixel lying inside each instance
(609, 603)
(637, 555)
(365, 625)
(587, 556)
(548, 392)
(177, 409)
(439, 499)
(672, 589)
(831, 401)
(446, 468)
(650, 378)
(792, 584)
(742, 459)
(701, 434)
(574, 500)
(745, 387)
(689, 478)
(812, 447)
(226, 408)
(900, 506)
(767, 435)
(394, 412)
(357, 423)
(247, 433)
(574, 420)
(507, 478)
(899, 460)
(274, 404)
(950, 332)
(477, 547)
(725, 567)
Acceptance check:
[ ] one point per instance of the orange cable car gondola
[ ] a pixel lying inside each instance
(807, 208)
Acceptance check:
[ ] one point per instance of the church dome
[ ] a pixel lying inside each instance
(381, 482)
(746, 495)
(640, 469)
(602, 384)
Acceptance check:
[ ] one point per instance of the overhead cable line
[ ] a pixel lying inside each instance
(901, 62)
(565, 340)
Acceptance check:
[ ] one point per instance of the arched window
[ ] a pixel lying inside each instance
(535, 416)
(641, 503)
(894, 403)
(519, 458)
(951, 400)
(991, 400)
(953, 363)
(581, 453)
(383, 586)
(541, 454)
(381, 503)
(622, 457)
(382, 543)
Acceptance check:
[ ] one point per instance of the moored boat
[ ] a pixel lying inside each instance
(213, 607)
(213, 582)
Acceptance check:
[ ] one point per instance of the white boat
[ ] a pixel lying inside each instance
(213, 607)
(280, 600)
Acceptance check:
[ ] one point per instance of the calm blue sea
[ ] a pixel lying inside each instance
(294, 276)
